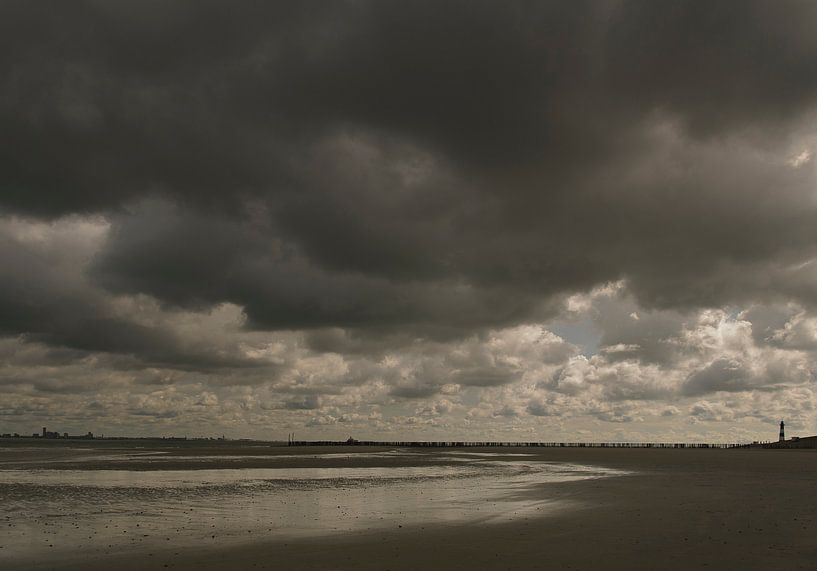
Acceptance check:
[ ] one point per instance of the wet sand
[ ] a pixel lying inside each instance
(677, 509)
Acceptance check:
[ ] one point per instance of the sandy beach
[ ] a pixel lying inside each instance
(674, 509)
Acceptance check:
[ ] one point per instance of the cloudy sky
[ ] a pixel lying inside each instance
(421, 220)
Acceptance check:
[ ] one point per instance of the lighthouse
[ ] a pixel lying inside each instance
(782, 431)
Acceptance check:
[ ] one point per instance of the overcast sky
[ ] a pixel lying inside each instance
(422, 220)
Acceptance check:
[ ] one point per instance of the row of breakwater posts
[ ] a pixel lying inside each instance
(462, 444)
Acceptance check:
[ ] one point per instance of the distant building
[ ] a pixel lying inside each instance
(48, 434)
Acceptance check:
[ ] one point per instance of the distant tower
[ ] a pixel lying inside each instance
(44, 431)
(782, 431)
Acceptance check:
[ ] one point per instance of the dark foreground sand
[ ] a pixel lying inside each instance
(682, 509)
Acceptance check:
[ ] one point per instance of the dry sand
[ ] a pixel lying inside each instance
(681, 509)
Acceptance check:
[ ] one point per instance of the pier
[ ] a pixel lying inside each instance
(511, 444)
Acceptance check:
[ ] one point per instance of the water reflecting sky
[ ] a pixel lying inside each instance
(48, 511)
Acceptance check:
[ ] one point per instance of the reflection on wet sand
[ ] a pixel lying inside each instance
(49, 513)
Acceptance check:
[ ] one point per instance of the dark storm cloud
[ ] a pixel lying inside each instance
(194, 260)
(437, 167)
(44, 298)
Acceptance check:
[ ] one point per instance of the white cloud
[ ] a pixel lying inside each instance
(703, 374)
(801, 159)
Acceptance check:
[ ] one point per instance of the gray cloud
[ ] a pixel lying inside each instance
(45, 297)
(721, 375)
(493, 155)
(382, 193)
(310, 402)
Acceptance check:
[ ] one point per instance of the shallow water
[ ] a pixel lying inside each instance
(50, 512)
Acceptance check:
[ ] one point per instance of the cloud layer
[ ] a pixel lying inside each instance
(476, 219)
